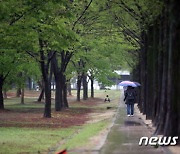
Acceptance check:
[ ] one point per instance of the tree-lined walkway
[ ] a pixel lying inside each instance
(74, 43)
(124, 136)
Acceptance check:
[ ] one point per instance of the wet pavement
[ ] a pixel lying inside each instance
(125, 134)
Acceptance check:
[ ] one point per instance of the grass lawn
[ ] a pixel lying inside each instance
(30, 140)
(24, 130)
(81, 138)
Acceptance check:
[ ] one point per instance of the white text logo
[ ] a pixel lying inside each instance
(158, 140)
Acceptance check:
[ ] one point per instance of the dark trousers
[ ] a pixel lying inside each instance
(130, 109)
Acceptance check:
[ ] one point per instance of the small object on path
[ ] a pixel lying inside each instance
(107, 99)
(62, 152)
(108, 107)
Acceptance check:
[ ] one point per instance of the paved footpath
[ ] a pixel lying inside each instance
(124, 136)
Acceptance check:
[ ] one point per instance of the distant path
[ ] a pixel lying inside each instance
(124, 136)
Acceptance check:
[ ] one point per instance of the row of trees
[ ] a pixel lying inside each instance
(159, 72)
(59, 39)
(93, 38)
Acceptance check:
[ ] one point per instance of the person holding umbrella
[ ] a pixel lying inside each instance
(130, 97)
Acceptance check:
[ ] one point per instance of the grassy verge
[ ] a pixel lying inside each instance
(30, 140)
(88, 131)
(80, 139)
(40, 140)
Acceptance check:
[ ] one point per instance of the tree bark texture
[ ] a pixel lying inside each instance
(1, 93)
(66, 105)
(5, 94)
(58, 94)
(92, 87)
(79, 79)
(22, 96)
(160, 71)
(46, 80)
(41, 96)
(30, 83)
(60, 79)
(47, 110)
(59, 88)
(18, 92)
(85, 87)
(69, 88)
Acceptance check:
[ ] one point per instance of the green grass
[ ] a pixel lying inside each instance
(83, 136)
(37, 140)
(90, 130)
(30, 140)
(99, 93)
(14, 103)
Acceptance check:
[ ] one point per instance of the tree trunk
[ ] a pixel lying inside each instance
(85, 87)
(64, 85)
(41, 96)
(46, 80)
(58, 94)
(29, 83)
(65, 96)
(41, 86)
(92, 87)
(52, 81)
(159, 71)
(5, 94)
(58, 77)
(162, 81)
(79, 87)
(22, 96)
(143, 73)
(175, 105)
(69, 88)
(1, 94)
(149, 77)
(172, 126)
(47, 110)
(155, 71)
(163, 96)
(18, 93)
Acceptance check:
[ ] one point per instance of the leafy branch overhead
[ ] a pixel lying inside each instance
(66, 38)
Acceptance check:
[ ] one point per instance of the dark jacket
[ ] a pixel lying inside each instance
(130, 96)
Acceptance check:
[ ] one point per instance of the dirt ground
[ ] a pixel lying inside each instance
(33, 117)
(79, 113)
(28, 93)
(63, 119)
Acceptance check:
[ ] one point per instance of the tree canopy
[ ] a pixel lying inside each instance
(92, 38)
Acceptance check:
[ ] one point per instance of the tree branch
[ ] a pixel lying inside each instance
(67, 59)
(16, 19)
(50, 57)
(128, 10)
(6, 75)
(32, 55)
(86, 8)
(13, 21)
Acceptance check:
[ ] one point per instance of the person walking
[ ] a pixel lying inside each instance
(130, 97)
